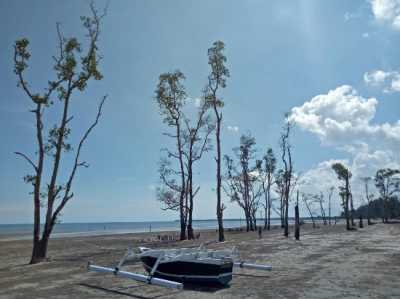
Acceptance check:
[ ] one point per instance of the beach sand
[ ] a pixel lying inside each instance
(328, 262)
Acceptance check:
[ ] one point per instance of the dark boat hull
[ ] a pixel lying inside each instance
(191, 271)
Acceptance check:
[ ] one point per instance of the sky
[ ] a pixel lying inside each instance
(333, 65)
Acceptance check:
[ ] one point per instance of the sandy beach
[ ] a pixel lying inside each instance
(328, 262)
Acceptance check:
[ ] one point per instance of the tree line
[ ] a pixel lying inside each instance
(247, 179)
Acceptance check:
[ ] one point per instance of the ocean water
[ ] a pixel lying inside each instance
(24, 231)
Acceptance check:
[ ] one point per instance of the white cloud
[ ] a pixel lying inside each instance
(349, 16)
(344, 120)
(198, 102)
(365, 35)
(388, 81)
(387, 11)
(234, 129)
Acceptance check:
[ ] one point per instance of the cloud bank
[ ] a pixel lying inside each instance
(388, 81)
(387, 11)
(344, 120)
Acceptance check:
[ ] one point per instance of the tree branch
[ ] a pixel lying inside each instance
(27, 159)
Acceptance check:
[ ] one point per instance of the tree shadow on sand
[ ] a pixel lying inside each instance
(121, 292)
(206, 288)
(251, 275)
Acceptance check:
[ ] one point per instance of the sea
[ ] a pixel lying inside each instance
(61, 230)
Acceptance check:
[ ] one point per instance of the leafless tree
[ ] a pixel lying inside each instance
(320, 199)
(196, 142)
(74, 68)
(309, 200)
(280, 189)
(286, 156)
(368, 197)
(330, 193)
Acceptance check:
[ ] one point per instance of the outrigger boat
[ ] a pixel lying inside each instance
(173, 267)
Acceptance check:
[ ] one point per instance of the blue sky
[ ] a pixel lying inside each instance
(281, 54)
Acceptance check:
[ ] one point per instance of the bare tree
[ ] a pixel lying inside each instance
(217, 80)
(196, 141)
(344, 175)
(286, 156)
(170, 96)
(240, 179)
(330, 193)
(320, 199)
(368, 197)
(308, 200)
(267, 181)
(74, 68)
(280, 189)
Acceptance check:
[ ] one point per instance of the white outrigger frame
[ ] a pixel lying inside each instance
(169, 254)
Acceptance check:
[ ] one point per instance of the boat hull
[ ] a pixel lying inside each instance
(191, 271)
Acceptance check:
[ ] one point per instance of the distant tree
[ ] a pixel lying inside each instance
(280, 189)
(387, 181)
(268, 170)
(286, 156)
(196, 142)
(320, 199)
(344, 175)
(73, 68)
(309, 200)
(330, 193)
(376, 208)
(171, 96)
(368, 197)
(216, 81)
(241, 179)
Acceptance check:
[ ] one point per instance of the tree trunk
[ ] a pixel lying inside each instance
(266, 217)
(287, 218)
(221, 236)
(297, 223)
(39, 252)
(37, 186)
(352, 211)
(282, 213)
(190, 220)
(330, 216)
(368, 214)
(346, 212)
(269, 214)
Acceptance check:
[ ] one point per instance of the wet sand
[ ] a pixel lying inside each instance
(328, 262)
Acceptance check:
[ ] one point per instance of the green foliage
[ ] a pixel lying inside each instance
(219, 73)
(341, 171)
(171, 96)
(54, 137)
(22, 53)
(269, 161)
